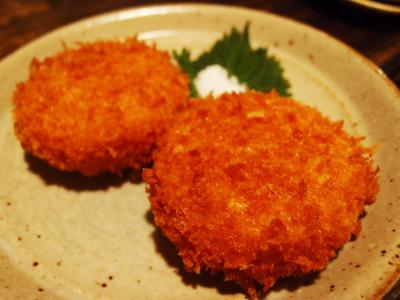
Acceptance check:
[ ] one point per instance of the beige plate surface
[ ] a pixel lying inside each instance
(66, 237)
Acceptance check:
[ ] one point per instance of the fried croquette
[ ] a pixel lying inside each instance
(98, 107)
(258, 187)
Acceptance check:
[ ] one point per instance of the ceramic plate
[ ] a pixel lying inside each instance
(67, 237)
(388, 7)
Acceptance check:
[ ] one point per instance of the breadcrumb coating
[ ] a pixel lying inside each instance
(258, 187)
(99, 107)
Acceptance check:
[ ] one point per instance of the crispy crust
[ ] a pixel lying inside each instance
(259, 187)
(98, 108)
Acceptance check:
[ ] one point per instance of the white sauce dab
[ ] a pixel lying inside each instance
(215, 80)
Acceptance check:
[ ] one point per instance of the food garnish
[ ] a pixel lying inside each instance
(254, 67)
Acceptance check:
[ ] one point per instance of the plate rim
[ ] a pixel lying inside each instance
(152, 8)
(376, 6)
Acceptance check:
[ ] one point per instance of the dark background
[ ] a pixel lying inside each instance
(375, 35)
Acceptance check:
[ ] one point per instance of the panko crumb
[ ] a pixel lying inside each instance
(98, 107)
(259, 187)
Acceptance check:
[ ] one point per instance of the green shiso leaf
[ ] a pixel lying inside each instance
(254, 67)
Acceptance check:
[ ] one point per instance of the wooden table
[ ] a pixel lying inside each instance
(374, 35)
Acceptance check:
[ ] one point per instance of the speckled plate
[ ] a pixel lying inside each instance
(66, 237)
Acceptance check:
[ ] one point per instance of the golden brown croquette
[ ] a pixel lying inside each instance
(98, 107)
(258, 187)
